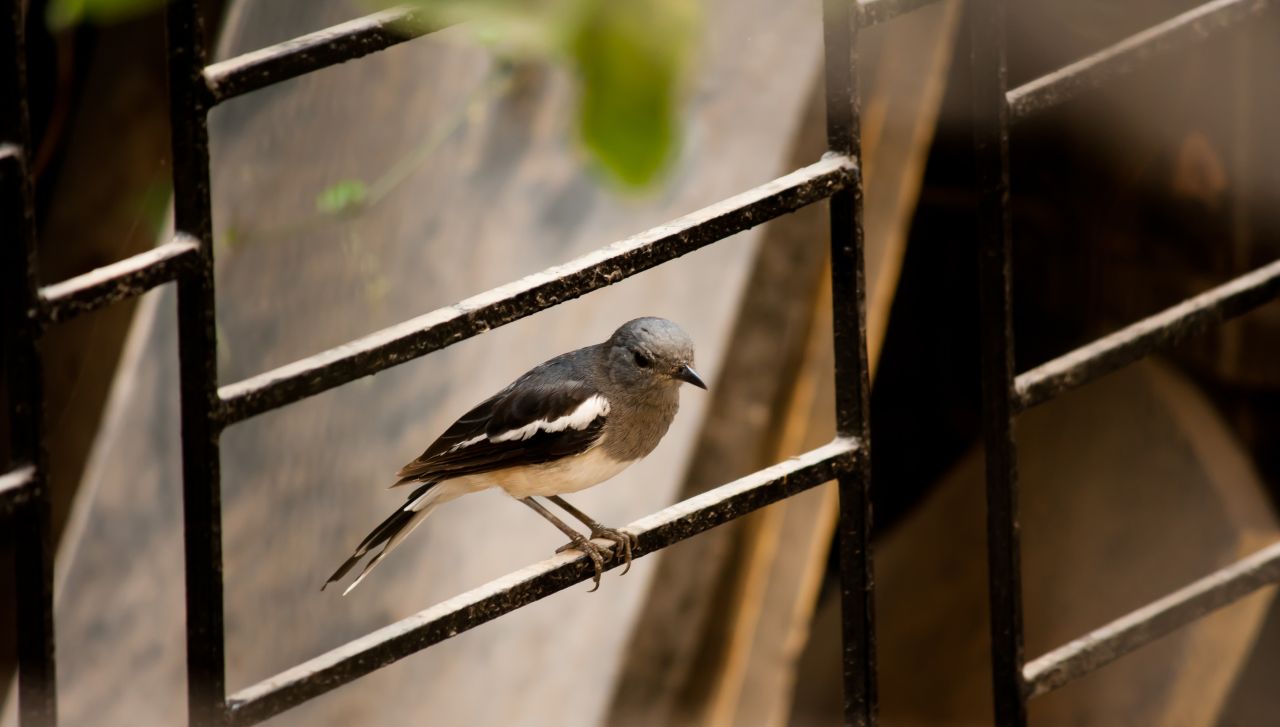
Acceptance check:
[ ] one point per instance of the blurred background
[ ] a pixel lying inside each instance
(363, 195)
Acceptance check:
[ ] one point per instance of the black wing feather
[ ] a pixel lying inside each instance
(541, 394)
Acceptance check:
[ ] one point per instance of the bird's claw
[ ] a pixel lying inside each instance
(599, 556)
(623, 542)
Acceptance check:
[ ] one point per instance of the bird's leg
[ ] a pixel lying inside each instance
(597, 554)
(622, 539)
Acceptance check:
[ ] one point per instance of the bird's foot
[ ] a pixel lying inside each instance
(599, 556)
(623, 543)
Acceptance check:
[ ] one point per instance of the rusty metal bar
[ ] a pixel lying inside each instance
(1127, 633)
(312, 52)
(840, 20)
(198, 369)
(118, 281)
(461, 613)
(995, 273)
(499, 306)
(1132, 342)
(1189, 28)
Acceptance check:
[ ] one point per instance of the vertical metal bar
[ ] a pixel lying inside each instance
(197, 354)
(852, 383)
(37, 683)
(991, 147)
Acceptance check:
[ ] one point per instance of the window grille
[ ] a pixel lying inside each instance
(208, 408)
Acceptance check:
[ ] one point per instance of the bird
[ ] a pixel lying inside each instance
(567, 424)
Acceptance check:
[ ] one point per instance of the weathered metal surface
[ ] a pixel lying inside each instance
(1134, 341)
(197, 371)
(1175, 34)
(28, 513)
(1158, 618)
(118, 281)
(312, 52)
(852, 372)
(995, 274)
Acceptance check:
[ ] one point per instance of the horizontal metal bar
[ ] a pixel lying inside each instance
(873, 12)
(118, 281)
(1178, 32)
(378, 31)
(1136, 629)
(16, 488)
(499, 306)
(461, 613)
(1128, 344)
(313, 51)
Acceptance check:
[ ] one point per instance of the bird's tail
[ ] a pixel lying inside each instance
(392, 532)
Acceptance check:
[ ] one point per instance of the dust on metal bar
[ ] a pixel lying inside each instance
(16, 489)
(515, 590)
(874, 12)
(987, 25)
(118, 281)
(312, 52)
(1131, 343)
(197, 369)
(379, 31)
(1181, 31)
(499, 306)
(840, 24)
(23, 378)
(1136, 629)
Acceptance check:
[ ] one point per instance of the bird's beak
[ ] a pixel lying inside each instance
(686, 374)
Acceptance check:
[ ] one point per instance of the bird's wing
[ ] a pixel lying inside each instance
(535, 420)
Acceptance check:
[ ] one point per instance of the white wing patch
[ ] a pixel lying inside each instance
(579, 419)
(474, 440)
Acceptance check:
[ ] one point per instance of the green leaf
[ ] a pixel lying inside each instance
(342, 197)
(632, 58)
(62, 14)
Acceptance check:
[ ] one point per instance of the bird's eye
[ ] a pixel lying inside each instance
(642, 360)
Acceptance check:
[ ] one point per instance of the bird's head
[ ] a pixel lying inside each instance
(651, 352)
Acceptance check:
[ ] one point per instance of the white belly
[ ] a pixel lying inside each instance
(553, 478)
(557, 478)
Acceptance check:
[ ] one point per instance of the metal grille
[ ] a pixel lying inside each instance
(207, 408)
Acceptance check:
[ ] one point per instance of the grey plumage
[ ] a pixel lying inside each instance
(567, 424)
